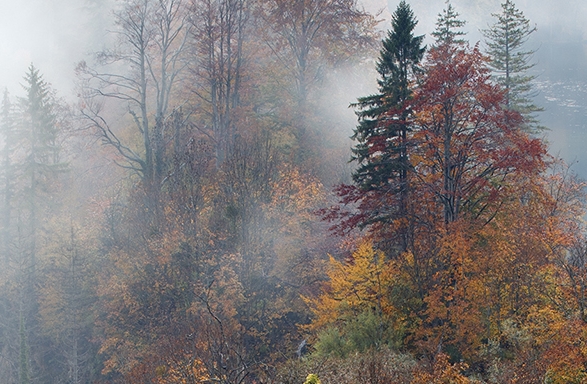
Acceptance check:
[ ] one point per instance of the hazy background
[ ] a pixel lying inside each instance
(56, 34)
(561, 62)
(53, 35)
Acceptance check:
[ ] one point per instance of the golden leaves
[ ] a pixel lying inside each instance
(361, 283)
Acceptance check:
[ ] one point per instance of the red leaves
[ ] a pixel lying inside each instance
(345, 213)
(464, 147)
(467, 146)
(470, 161)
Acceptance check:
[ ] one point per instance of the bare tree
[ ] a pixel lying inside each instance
(249, 172)
(141, 74)
(305, 35)
(218, 35)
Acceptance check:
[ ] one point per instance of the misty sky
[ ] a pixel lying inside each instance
(56, 34)
(51, 34)
(561, 62)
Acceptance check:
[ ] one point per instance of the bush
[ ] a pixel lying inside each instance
(362, 333)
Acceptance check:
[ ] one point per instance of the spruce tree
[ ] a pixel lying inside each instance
(37, 168)
(448, 27)
(510, 61)
(381, 149)
(7, 134)
(38, 133)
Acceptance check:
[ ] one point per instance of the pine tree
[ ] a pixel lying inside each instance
(510, 61)
(37, 168)
(39, 122)
(7, 132)
(381, 149)
(448, 26)
(40, 165)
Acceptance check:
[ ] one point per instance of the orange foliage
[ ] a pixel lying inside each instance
(489, 232)
(442, 372)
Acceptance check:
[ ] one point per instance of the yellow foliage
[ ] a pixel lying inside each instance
(189, 370)
(312, 379)
(363, 282)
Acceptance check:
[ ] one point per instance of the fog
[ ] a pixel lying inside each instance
(560, 43)
(55, 35)
(190, 242)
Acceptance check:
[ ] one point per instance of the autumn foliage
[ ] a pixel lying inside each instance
(209, 238)
(490, 220)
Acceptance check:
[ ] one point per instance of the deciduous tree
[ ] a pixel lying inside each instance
(219, 33)
(302, 31)
(138, 79)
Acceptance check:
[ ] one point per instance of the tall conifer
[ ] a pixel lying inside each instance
(37, 166)
(448, 26)
(510, 61)
(381, 149)
(7, 133)
(38, 134)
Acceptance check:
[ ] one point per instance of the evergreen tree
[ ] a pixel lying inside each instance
(7, 132)
(448, 26)
(510, 61)
(24, 366)
(40, 165)
(39, 123)
(381, 149)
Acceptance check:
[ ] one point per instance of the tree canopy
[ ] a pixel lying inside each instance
(192, 245)
(511, 60)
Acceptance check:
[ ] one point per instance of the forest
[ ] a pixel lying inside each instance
(195, 216)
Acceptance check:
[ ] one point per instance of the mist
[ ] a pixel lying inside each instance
(54, 36)
(560, 42)
(178, 201)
